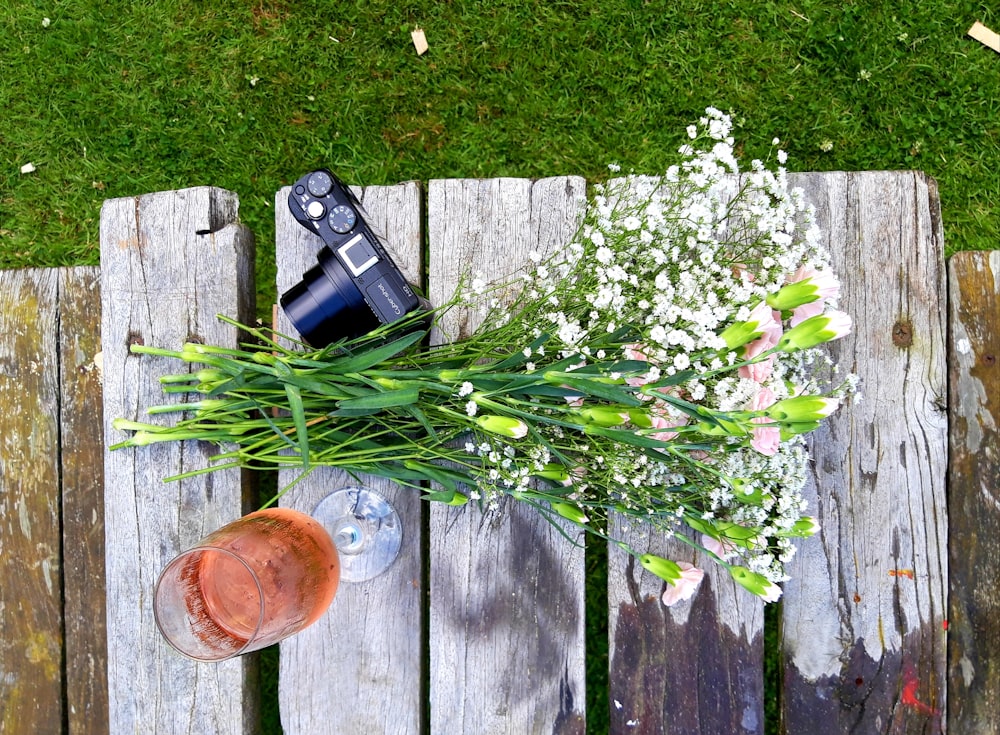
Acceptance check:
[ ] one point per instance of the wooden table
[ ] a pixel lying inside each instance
(890, 623)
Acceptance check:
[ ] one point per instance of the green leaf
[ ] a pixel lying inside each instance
(595, 387)
(517, 358)
(625, 436)
(377, 401)
(444, 476)
(299, 417)
(371, 357)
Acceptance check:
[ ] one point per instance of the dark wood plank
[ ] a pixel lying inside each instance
(31, 634)
(695, 667)
(82, 464)
(864, 613)
(170, 262)
(506, 608)
(974, 493)
(359, 667)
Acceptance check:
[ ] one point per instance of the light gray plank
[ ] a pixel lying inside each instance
(359, 668)
(169, 263)
(863, 616)
(507, 594)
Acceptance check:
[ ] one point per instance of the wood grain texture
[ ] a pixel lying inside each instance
(170, 262)
(974, 493)
(82, 462)
(359, 668)
(695, 667)
(863, 615)
(31, 634)
(506, 607)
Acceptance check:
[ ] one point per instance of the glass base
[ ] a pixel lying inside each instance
(365, 528)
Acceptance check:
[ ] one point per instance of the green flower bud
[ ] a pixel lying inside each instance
(758, 584)
(738, 334)
(640, 418)
(793, 295)
(815, 330)
(802, 409)
(802, 528)
(603, 416)
(570, 512)
(665, 569)
(555, 473)
(796, 427)
(390, 383)
(503, 426)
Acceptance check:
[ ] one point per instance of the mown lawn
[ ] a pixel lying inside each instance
(109, 98)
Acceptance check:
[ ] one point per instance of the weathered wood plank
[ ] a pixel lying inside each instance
(716, 685)
(506, 608)
(974, 493)
(695, 667)
(863, 616)
(170, 262)
(31, 634)
(82, 464)
(359, 668)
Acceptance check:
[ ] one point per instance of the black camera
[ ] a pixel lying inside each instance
(356, 286)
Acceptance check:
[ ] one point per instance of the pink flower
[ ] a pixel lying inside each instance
(662, 418)
(740, 271)
(766, 439)
(722, 549)
(826, 283)
(826, 287)
(685, 587)
(765, 317)
(761, 371)
(801, 313)
(635, 352)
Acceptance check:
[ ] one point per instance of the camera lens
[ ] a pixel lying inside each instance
(326, 305)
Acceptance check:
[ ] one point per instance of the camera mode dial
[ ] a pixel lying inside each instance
(342, 219)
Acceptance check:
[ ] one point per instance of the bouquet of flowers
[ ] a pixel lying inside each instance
(663, 366)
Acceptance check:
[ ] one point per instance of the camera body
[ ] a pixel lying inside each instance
(356, 286)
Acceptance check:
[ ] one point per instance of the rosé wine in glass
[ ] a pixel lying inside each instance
(248, 585)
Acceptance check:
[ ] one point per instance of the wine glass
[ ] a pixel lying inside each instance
(271, 573)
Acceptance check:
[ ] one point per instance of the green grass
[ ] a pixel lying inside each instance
(117, 98)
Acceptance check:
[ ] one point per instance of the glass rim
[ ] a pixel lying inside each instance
(200, 549)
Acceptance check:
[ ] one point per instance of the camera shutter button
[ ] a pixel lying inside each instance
(315, 209)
